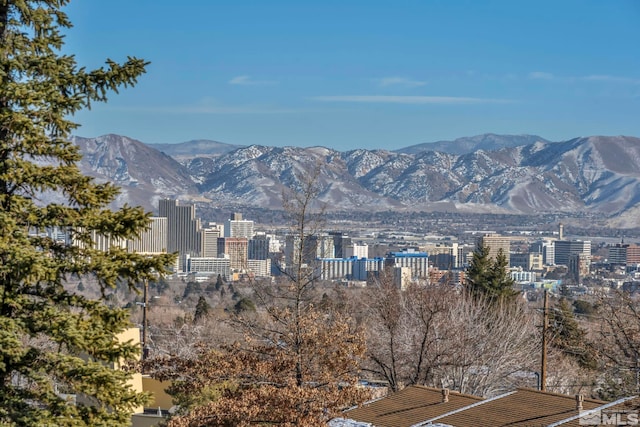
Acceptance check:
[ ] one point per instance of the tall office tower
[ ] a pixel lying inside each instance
(238, 227)
(340, 241)
(153, 240)
(236, 248)
(183, 228)
(325, 246)
(565, 248)
(355, 250)
(259, 246)
(633, 255)
(209, 239)
(294, 251)
(495, 242)
(617, 254)
(579, 265)
(443, 256)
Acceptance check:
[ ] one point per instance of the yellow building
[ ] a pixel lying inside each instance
(160, 403)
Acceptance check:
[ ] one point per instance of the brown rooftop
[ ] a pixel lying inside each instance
(524, 407)
(410, 406)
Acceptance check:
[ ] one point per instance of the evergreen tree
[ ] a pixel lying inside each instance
(489, 278)
(566, 335)
(202, 309)
(477, 276)
(53, 340)
(244, 304)
(219, 283)
(501, 281)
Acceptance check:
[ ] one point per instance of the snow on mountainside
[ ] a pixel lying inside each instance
(143, 174)
(594, 174)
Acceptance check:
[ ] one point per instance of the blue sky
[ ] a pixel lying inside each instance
(363, 74)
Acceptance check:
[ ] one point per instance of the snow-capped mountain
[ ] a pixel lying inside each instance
(144, 174)
(597, 174)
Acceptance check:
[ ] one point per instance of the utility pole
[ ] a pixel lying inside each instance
(545, 325)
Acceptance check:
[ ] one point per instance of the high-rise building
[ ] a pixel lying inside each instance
(624, 254)
(183, 228)
(633, 255)
(495, 242)
(519, 260)
(535, 261)
(209, 239)
(236, 248)
(617, 254)
(579, 265)
(259, 247)
(565, 248)
(275, 245)
(526, 260)
(325, 246)
(340, 242)
(238, 227)
(443, 256)
(152, 240)
(104, 243)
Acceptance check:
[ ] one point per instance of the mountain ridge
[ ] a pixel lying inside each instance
(596, 174)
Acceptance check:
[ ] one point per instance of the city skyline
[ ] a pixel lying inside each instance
(363, 75)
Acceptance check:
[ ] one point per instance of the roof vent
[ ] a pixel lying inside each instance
(579, 400)
(445, 395)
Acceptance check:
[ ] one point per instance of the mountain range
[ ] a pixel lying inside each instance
(595, 175)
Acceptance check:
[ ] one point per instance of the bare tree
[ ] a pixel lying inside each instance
(618, 344)
(494, 345)
(403, 334)
(435, 335)
(297, 364)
